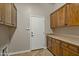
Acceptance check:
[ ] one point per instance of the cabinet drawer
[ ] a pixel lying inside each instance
(68, 52)
(74, 48)
(64, 44)
(57, 41)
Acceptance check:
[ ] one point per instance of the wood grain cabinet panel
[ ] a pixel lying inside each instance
(8, 14)
(53, 46)
(61, 14)
(64, 44)
(58, 18)
(69, 49)
(2, 11)
(61, 48)
(65, 53)
(58, 48)
(72, 14)
(53, 20)
(67, 15)
(74, 48)
(72, 53)
(69, 52)
(49, 44)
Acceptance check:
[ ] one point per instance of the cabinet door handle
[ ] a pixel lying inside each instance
(12, 24)
(32, 34)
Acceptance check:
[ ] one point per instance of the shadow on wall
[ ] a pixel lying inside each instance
(6, 34)
(11, 33)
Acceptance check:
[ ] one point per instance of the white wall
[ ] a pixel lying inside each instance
(21, 38)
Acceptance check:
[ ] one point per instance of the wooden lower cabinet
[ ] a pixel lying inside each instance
(68, 52)
(53, 47)
(65, 53)
(49, 44)
(60, 48)
(56, 47)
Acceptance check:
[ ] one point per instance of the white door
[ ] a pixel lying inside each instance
(37, 33)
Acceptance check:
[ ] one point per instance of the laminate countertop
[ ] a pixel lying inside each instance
(66, 38)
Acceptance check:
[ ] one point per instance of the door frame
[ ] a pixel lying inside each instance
(44, 32)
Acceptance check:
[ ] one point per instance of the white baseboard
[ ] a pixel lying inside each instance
(21, 52)
(45, 47)
(18, 52)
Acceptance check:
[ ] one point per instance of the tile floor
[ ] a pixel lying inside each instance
(39, 52)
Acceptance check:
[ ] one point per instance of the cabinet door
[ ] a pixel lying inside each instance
(65, 52)
(49, 42)
(58, 48)
(53, 46)
(61, 16)
(8, 14)
(13, 15)
(2, 11)
(69, 52)
(53, 20)
(72, 53)
(72, 14)
(58, 18)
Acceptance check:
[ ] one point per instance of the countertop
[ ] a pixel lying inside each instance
(66, 38)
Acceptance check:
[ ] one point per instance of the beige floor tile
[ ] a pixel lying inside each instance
(40, 52)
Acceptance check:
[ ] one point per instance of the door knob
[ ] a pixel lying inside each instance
(32, 34)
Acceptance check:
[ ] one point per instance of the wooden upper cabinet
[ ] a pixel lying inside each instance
(53, 20)
(72, 14)
(56, 47)
(2, 11)
(67, 15)
(61, 13)
(8, 14)
(58, 18)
